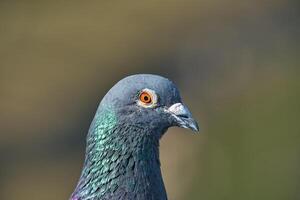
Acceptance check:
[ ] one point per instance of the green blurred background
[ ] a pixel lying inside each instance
(235, 62)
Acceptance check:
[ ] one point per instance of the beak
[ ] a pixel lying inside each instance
(183, 117)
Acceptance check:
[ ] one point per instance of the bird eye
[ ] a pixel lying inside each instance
(147, 98)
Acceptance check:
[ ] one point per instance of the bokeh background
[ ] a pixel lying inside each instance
(235, 62)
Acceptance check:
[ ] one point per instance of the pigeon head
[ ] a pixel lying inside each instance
(122, 149)
(149, 101)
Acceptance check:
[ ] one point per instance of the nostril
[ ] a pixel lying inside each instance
(182, 116)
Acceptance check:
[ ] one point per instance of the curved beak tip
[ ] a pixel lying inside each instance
(189, 123)
(194, 126)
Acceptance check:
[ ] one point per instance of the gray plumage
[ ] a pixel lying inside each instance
(122, 150)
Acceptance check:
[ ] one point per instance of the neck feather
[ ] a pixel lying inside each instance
(122, 162)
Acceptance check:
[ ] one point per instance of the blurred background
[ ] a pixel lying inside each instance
(235, 62)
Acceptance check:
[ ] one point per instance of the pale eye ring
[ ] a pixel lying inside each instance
(147, 98)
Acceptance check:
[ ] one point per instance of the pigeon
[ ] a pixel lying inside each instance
(122, 144)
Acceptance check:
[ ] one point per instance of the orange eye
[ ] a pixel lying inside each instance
(145, 97)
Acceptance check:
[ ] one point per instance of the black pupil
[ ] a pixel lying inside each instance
(146, 98)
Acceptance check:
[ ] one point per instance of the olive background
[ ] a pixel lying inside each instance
(236, 64)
